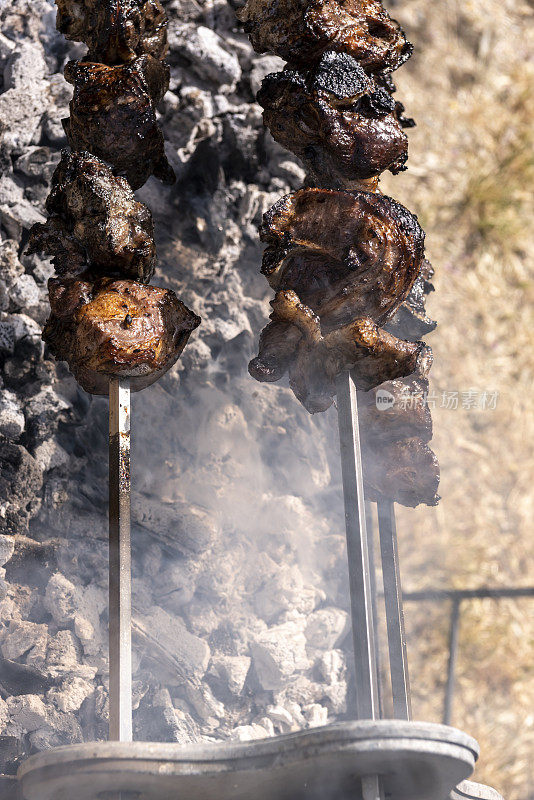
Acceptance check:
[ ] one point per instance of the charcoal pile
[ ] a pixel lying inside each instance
(240, 598)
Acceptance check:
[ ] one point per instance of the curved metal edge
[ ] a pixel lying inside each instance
(236, 755)
(470, 790)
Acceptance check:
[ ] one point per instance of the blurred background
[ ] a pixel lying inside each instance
(470, 87)
(238, 523)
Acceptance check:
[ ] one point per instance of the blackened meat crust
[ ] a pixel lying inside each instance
(108, 327)
(113, 116)
(115, 31)
(336, 120)
(300, 32)
(95, 222)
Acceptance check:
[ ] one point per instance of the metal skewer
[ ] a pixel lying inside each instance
(398, 659)
(363, 631)
(120, 588)
(374, 598)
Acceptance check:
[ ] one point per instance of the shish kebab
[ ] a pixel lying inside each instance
(346, 262)
(116, 333)
(348, 268)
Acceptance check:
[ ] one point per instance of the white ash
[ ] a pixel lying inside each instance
(240, 592)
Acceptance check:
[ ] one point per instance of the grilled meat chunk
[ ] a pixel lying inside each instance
(95, 222)
(113, 116)
(103, 327)
(278, 346)
(341, 125)
(406, 472)
(374, 355)
(115, 31)
(397, 409)
(347, 255)
(300, 32)
(410, 320)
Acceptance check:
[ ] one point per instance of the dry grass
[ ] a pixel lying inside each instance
(472, 171)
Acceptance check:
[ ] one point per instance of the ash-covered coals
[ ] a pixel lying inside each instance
(236, 539)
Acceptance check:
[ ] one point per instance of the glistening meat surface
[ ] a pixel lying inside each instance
(95, 221)
(113, 116)
(115, 31)
(300, 32)
(108, 327)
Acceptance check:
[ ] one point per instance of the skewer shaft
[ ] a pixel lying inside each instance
(374, 597)
(398, 659)
(367, 704)
(120, 642)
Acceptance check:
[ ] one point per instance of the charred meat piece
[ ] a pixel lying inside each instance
(397, 409)
(95, 221)
(410, 320)
(115, 31)
(347, 255)
(300, 32)
(406, 472)
(374, 355)
(108, 327)
(341, 125)
(113, 116)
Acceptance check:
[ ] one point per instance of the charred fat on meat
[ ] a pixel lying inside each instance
(336, 120)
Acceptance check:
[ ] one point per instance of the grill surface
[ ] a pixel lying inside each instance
(416, 761)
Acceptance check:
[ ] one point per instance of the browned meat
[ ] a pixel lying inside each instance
(373, 354)
(107, 327)
(113, 116)
(406, 472)
(114, 30)
(397, 409)
(341, 125)
(410, 320)
(300, 32)
(347, 255)
(278, 345)
(95, 221)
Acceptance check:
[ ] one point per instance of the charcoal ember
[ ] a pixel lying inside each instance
(366, 270)
(17, 679)
(301, 32)
(11, 754)
(361, 346)
(406, 472)
(209, 56)
(115, 31)
(336, 120)
(104, 327)
(95, 222)
(21, 481)
(113, 116)
(410, 319)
